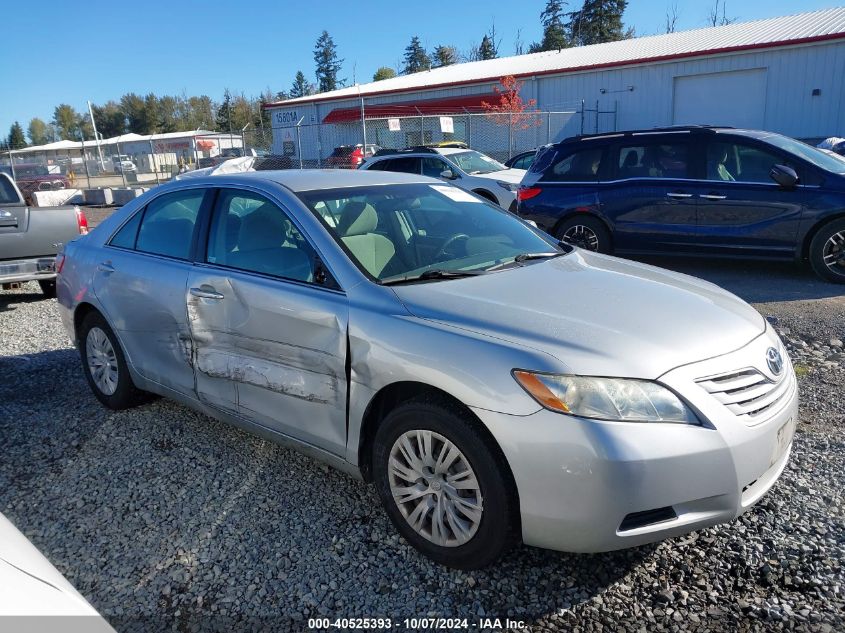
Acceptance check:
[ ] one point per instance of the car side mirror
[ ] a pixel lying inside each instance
(448, 174)
(784, 176)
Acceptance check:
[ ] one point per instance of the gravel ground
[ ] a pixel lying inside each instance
(166, 519)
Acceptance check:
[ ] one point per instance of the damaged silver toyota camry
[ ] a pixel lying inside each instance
(493, 384)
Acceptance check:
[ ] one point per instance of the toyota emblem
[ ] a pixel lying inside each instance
(774, 360)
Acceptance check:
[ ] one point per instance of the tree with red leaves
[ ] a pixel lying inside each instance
(511, 110)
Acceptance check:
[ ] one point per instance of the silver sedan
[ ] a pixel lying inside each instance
(492, 383)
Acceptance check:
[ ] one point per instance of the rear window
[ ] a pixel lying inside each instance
(8, 195)
(580, 165)
(345, 150)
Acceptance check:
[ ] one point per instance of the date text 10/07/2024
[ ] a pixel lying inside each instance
(484, 624)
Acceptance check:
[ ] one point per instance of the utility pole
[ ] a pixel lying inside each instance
(96, 137)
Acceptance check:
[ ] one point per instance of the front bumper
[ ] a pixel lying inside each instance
(591, 486)
(20, 270)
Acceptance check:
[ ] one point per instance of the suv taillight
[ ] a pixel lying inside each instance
(81, 222)
(526, 193)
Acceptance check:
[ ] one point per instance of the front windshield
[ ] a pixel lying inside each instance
(401, 231)
(475, 162)
(809, 153)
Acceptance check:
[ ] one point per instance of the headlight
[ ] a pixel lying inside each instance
(614, 399)
(507, 185)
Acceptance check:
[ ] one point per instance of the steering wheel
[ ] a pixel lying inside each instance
(449, 242)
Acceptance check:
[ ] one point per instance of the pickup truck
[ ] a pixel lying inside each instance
(30, 238)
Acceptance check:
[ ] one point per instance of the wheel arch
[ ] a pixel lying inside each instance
(573, 213)
(811, 233)
(484, 193)
(82, 310)
(394, 394)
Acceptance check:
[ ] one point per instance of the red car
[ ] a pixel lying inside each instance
(350, 156)
(33, 177)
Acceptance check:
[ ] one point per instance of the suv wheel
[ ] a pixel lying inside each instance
(827, 252)
(105, 366)
(585, 232)
(443, 485)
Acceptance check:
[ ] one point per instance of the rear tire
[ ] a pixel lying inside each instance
(586, 232)
(478, 471)
(48, 287)
(827, 252)
(105, 366)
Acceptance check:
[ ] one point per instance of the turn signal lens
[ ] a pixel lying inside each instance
(542, 394)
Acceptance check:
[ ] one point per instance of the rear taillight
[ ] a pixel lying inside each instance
(60, 263)
(81, 222)
(527, 193)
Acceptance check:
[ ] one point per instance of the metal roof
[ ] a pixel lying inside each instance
(781, 31)
(300, 180)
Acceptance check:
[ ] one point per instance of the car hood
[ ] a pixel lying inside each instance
(513, 176)
(598, 315)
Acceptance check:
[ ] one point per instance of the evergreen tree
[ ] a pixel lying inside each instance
(384, 72)
(39, 132)
(486, 49)
(598, 21)
(66, 120)
(445, 56)
(554, 28)
(328, 64)
(416, 59)
(110, 119)
(301, 86)
(16, 138)
(132, 106)
(223, 121)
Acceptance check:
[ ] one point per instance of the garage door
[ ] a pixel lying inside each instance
(736, 98)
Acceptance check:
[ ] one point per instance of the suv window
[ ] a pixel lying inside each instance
(406, 164)
(248, 232)
(582, 164)
(434, 166)
(167, 227)
(731, 161)
(654, 160)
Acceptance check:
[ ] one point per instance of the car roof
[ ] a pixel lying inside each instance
(298, 180)
(674, 129)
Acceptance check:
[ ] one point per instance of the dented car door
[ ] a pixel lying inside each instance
(268, 340)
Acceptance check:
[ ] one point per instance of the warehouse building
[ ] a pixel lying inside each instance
(781, 74)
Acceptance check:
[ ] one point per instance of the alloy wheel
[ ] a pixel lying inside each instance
(582, 236)
(435, 488)
(102, 361)
(833, 253)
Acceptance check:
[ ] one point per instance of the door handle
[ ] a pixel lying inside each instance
(105, 267)
(712, 196)
(675, 194)
(205, 294)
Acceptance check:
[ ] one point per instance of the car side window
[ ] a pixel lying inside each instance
(579, 165)
(406, 164)
(167, 227)
(125, 237)
(250, 233)
(653, 160)
(730, 161)
(524, 162)
(433, 167)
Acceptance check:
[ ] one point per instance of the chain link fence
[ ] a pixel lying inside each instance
(143, 161)
(499, 135)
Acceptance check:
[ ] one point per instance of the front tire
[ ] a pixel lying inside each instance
(827, 252)
(585, 232)
(444, 484)
(105, 366)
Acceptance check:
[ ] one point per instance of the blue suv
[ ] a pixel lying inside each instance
(695, 190)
